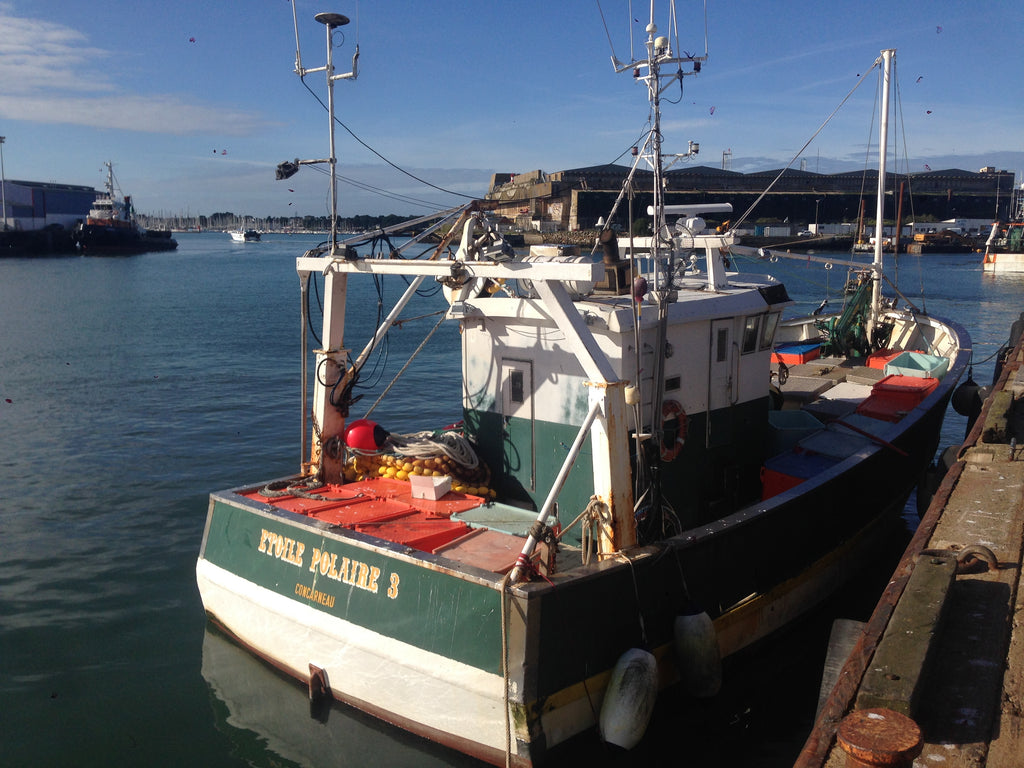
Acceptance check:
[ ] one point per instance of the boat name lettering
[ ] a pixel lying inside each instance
(315, 595)
(281, 547)
(359, 575)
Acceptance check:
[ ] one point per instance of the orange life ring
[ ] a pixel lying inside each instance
(671, 410)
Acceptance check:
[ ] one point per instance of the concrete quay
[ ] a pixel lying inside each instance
(936, 676)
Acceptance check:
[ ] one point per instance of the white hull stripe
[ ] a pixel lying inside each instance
(416, 686)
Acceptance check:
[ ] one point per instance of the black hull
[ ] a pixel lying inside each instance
(94, 240)
(754, 572)
(51, 241)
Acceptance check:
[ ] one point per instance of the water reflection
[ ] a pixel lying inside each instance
(269, 721)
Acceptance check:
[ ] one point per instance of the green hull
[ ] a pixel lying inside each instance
(431, 608)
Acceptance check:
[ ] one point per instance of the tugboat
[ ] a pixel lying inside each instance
(111, 229)
(624, 496)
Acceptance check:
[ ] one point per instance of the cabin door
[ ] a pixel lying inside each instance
(721, 384)
(518, 423)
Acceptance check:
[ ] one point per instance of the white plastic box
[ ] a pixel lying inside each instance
(433, 488)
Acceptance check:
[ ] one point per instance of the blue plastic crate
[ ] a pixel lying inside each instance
(917, 364)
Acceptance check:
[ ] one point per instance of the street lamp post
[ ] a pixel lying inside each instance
(3, 183)
(816, 215)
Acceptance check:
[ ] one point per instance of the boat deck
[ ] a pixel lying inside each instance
(833, 407)
(460, 526)
(883, 386)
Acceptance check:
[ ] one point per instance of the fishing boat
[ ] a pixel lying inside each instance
(1004, 249)
(111, 228)
(244, 235)
(651, 468)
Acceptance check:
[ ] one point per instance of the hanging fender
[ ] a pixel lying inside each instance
(673, 411)
(629, 699)
(698, 656)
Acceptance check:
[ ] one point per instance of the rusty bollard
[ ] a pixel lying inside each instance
(873, 738)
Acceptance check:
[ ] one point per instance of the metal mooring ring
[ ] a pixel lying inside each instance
(975, 552)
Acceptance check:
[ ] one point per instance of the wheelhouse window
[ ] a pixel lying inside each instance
(722, 345)
(515, 387)
(771, 322)
(750, 338)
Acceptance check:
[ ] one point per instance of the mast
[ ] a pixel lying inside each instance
(110, 179)
(326, 456)
(660, 54)
(331, 22)
(883, 147)
(655, 48)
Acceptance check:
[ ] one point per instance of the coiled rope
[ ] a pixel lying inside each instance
(422, 445)
(300, 488)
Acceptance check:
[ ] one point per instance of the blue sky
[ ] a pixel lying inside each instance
(196, 102)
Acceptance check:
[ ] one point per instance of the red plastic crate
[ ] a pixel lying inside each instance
(881, 357)
(895, 396)
(773, 483)
(782, 472)
(794, 354)
(425, 535)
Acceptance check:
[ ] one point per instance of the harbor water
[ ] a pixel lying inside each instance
(132, 387)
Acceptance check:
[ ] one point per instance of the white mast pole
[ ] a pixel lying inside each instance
(654, 86)
(326, 450)
(330, 21)
(883, 151)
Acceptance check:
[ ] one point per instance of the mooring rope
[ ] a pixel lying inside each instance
(427, 444)
(299, 488)
(591, 517)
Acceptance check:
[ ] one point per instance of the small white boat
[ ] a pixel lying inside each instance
(244, 235)
(1004, 250)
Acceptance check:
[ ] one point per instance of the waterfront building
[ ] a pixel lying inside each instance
(32, 205)
(577, 198)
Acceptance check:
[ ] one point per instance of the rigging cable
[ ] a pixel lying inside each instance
(376, 190)
(404, 367)
(378, 154)
(910, 190)
(606, 32)
(806, 144)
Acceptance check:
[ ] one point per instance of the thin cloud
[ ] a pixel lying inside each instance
(146, 114)
(36, 54)
(49, 74)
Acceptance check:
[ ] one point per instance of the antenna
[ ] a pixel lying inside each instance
(288, 168)
(298, 51)
(650, 71)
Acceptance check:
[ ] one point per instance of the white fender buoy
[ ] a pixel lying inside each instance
(697, 654)
(629, 699)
